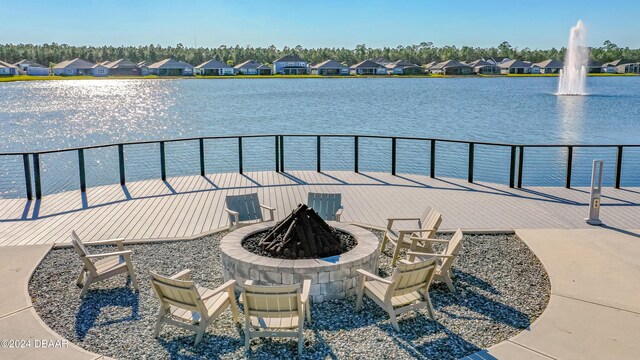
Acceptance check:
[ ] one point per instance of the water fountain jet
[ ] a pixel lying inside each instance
(573, 77)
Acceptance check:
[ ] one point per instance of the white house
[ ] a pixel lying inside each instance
(290, 65)
(79, 67)
(31, 68)
(515, 67)
(170, 67)
(214, 68)
(403, 67)
(368, 67)
(330, 67)
(550, 66)
(251, 67)
(484, 67)
(8, 69)
(451, 67)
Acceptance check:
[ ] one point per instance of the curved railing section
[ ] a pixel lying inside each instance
(33, 176)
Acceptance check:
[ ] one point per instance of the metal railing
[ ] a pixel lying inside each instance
(516, 160)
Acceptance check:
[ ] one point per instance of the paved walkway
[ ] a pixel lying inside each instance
(19, 321)
(185, 207)
(594, 311)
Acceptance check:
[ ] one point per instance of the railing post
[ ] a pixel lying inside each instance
(281, 153)
(36, 175)
(470, 172)
(318, 154)
(356, 153)
(27, 175)
(432, 168)
(618, 167)
(83, 179)
(203, 170)
(569, 164)
(520, 165)
(121, 163)
(163, 163)
(512, 167)
(240, 154)
(277, 146)
(393, 155)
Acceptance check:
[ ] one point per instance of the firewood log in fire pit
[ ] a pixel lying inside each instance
(302, 234)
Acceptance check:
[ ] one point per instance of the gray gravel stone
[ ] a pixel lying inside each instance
(502, 288)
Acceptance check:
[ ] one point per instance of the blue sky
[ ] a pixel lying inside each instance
(319, 23)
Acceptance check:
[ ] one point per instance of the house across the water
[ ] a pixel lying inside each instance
(484, 67)
(451, 67)
(171, 67)
(80, 67)
(403, 67)
(550, 66)
(330, 67)
(214, 68)
(7, 69)
(251, 67)
(123, 67)
(290, 65)
(368, 67)
(32, 68)
(515, 67)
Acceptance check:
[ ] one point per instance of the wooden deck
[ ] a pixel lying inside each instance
(184, 207)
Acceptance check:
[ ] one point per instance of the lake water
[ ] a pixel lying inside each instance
(59, 114)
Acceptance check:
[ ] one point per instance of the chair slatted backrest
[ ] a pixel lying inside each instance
(325, 204)
(272, 301)
(179, 293)
(453, 249)
(431, 219)
(409, 277)
(247, 205)
(82, 252)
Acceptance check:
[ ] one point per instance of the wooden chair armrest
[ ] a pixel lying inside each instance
(306, 289)
(369, 275)
(410, 231)
(182, 275)
(267, 207)
(417, 238)
(421, 254)
(114, 253)
(391, 220)
(231, 212)
(224, 287)
(102, 242)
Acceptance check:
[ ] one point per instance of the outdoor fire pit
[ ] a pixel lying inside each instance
(301, 246)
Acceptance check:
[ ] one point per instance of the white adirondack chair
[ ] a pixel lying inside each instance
(98, 267)
(412, 238)
(445, 260)
(405, 290)
(245, 209)
(328, 206)
(273, 311)
(189, 306)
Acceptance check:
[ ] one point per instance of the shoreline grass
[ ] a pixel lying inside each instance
(18, 78)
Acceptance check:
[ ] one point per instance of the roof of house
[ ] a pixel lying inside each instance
(554, 64)
(249, 64)
(143, 63)
(499, 59)
(169, 64)
(289, 58)
(381, 61)
(30, 63)
(213, 64)
(120, 64)
(7, 65)
(448, 64)
(399, 63)
(366, 64)
(618, 62)
(76, 63)
(515, 64)
(329, 64)
(479, 62)
(429, 65)
(264, 67)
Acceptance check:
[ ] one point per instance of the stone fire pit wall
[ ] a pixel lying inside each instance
(335, 277)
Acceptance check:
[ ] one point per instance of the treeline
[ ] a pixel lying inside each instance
(422, 53)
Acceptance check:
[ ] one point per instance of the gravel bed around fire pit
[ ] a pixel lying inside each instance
(347, 242)
(502, 288)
